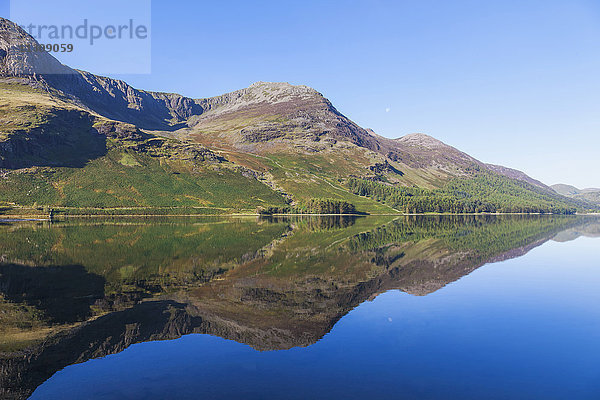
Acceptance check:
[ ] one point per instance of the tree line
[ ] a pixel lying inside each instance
(312, 206)
(484, 193)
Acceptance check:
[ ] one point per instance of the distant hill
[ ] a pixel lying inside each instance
(590, 195)
(69, 138)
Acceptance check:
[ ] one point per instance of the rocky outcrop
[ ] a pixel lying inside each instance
(19, 57)
(278, 110)
(385, 167)
(108, 97)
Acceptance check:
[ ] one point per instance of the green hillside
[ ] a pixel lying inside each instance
(74, 142)
(591, 196)
(58, 155)
(486, 192)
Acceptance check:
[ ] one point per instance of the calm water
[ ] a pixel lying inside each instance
(321, 308)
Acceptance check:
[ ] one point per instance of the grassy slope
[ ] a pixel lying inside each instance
(109, 182)
(305, 176)
(115, 174)
(592, 197)
(315, 176)
(123, 177)
(303, 167)
(22, 107)
(297, 162)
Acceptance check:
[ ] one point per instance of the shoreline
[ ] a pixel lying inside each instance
(42, 218)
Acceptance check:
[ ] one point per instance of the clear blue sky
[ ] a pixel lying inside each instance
(509, 82)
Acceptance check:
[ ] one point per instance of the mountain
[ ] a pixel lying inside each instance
(516, 174)
(589, 228)
(568, 190)
(72, 140)
(590, 195)
(565, 190)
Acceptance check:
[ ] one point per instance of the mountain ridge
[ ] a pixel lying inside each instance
(285, 137)
(128, 104)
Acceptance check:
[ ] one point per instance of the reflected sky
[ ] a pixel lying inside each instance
(525, 328)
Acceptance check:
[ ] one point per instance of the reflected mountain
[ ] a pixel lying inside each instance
(72, 292)
(589, 228)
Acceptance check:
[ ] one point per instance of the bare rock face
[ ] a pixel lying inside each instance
(260, 92)
(16, 60)
(117, 100)
(108, 97)
(422, 140)
(385, 167)
(275, 110)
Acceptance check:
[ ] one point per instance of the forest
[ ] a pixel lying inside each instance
(312, 206)
(486, 192)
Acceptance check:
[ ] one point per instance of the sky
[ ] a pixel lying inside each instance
(515, 83)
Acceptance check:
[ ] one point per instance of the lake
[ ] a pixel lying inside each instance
(415, 307)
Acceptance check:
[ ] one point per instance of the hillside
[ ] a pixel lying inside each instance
(53, 153)
(590, 195)
(69, 138)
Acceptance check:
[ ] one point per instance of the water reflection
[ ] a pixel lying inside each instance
(75, 291)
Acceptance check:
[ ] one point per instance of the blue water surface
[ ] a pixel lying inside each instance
(527, 328)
